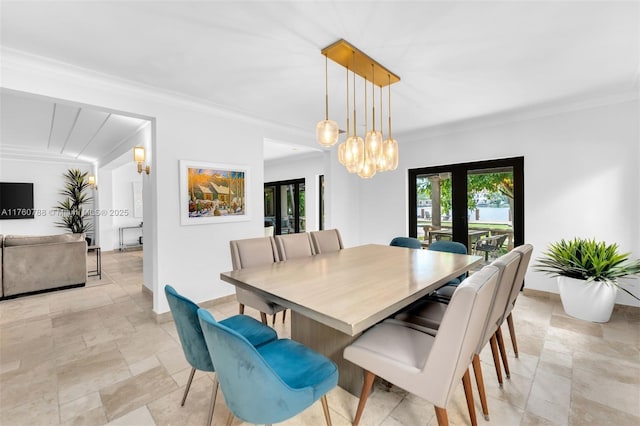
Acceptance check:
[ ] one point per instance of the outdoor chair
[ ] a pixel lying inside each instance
(490, 245)
(185, 316)
(270, 383)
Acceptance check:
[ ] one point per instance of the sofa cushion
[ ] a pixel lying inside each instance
(25, 240)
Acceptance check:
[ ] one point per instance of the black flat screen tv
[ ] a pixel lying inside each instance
(16, 200)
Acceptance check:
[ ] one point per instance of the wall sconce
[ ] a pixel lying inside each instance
(92, 182)
(138, 157)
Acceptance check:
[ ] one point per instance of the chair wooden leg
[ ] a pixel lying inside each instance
(213, 400)
(284, 315)
(477, 371)
(263, 317)
(273, 319)
(441, 415)
(503, 352)
(468, 394)
(512, 333)
(325, 408)
(186, 391)
(241, 308)
(229, 419)
(496, 359)
(369, 377)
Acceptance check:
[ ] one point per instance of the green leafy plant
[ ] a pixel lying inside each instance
(74, 216)
(589, 260)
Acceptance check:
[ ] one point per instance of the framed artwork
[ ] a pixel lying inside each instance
(212, 193)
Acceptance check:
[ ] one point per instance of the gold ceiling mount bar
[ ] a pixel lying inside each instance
(349, 56)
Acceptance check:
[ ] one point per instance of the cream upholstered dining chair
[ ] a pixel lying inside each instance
(291, 246)
(326, 241)
(429, 315)
(426, 365)
(255, 252)
(525, 251)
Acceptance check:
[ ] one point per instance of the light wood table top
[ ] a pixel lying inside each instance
(354, 288)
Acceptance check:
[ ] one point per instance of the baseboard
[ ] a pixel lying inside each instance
(556, 297)
(46, 290)
(541, 294)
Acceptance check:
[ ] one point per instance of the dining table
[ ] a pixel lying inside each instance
(335, 297)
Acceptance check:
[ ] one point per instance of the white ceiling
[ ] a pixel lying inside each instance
(38, 125)
(456, 60)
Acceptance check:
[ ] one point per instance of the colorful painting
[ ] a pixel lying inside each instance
(212, 193)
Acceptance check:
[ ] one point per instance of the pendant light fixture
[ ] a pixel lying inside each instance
(382, 162)
(342, 148)
(371, 144)
(390, 145)
(355, 144)
(366, 156)
(327, 131)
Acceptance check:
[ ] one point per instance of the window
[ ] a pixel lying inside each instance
(284, 206)
(472, 203)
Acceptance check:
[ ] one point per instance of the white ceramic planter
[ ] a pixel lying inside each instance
(591, 301)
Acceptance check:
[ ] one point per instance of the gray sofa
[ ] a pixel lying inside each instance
(32, 264)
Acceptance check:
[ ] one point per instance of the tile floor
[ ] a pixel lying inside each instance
(94, 356)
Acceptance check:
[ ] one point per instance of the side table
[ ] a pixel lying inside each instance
(98, 271)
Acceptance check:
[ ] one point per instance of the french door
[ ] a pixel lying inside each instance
(284, 206)
(473, 203)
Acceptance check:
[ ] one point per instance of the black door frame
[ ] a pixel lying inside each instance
(459, 172)
(277, 200)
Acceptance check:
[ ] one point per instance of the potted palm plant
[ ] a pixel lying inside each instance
(74, 217)
(588, 273)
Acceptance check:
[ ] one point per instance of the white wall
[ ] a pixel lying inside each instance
(48, 181)
(581, 178)
(188, 257)
(307, 167)
(116, 200)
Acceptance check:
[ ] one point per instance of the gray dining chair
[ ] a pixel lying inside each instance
(426, 365)
(326, 241)
(429, 314)
(255, 252)
(292, 246)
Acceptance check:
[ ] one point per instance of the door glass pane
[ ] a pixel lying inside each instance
(302, 220)
(490, 204)
(287, 209)
(270, 206)
(434, 207)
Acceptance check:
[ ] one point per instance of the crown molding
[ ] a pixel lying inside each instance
(23, 62)
(595, 99)
(12, 152)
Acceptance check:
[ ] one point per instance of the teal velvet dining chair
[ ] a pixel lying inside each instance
(185, 316)
(269, 383)
(449, 247)
(407, 242)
